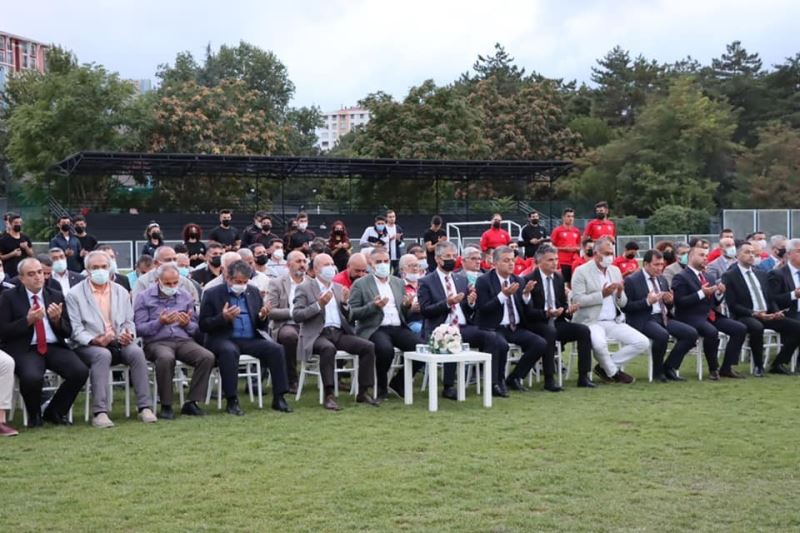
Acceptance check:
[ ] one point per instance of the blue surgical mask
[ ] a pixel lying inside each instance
(112, 265)
(183, 271)
(169, 291)
(472, 277)
(423, 265)
(59, 266)
(100, 276)
(684, 259)
(327, 273)
(382, 270)
(380, 228)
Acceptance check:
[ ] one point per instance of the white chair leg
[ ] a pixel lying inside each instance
(300, 381)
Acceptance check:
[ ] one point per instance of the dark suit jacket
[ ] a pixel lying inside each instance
(211, 321)
(433, 301)
(490, 310)
(781, 287)
(14, 329)
(74, 279)
(119, 279)
(689, 307)
(737, 293)
(637, 287)
(538, 312)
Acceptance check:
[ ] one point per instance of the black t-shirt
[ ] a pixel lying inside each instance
(532, 232)
(224, 236)
(195, 248)
(431, 236)
(88, 242)
(7, 245)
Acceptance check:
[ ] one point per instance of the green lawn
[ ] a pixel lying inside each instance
(658, 457)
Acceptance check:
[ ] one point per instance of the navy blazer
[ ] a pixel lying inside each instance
(781, 287)
(433, 300)
(538, 313)
(14, 329)
(737, 293)
(490, 310)
(637, 287)
(214, 324)
(689, 307)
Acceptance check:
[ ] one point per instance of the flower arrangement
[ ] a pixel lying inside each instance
(446, 339)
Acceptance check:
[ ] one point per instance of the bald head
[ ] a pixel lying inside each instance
(357, 266)
(297, 263)
(165, 254)
(322, 260)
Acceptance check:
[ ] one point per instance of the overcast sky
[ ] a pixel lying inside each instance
(338, 51)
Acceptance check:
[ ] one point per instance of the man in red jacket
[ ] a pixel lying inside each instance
(601, 226)
(495, 236)
(567, 238)
(627, 263)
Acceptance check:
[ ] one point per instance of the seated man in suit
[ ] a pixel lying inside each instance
(647, 310)
(552, 312)
(165, 319)
(379, 306)
(784, 287)
(233, 316)
(751, 303)
(61, 275)
(103, 334)
(696, 302)
(598, 289)
(320, 307)
(34, 326)
(282, 327)
(720, 265)
(504, 306)
(447, 297)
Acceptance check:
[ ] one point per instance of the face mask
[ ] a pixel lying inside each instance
(169, 291)
(112, 265)
(258, 225)
(277, 255)
(534, 221)
(2, 276)
(65, 227)
(216, 261)
(79, 229)
(423, 265)
(379, 228)
(156, 235)
(472, 277)
(59, 266)
(763, 244)
(382, 270)
(589, 252)
(238, 288)
(730, 252)
(781, 252)
(261, 260)
(184, 271)
(496, 224)
(669, 256)
(302, 226)
(757, 261)
(17, 228)
(684, 259)
(326, 273)
(630, 255)
(412, 277)
(607, 260)
(339, 231)
(266, 227)
(100, 276)
(601, 216)
(226, 223)
(448, 265)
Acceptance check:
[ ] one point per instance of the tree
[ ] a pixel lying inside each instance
(783, 85)
(736, 62)
(500, 68)
(677, 219)
(769, 174)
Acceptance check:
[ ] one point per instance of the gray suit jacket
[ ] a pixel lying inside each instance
(311, 317)
(278, 298)
(86, 319)
(587, 292)
(364, 312)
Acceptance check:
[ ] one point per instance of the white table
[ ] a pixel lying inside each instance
(432, 360)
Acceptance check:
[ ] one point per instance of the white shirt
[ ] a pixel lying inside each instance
(49, 334)
(700, 293)
(332, 319)
(63, 279)
(753, 297)
(462, 320)
(653, 286)
(292, 288)
(503, 299)
(391, 313)
(609, 310)
(276, 269)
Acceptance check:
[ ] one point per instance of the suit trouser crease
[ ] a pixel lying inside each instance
(164, 353)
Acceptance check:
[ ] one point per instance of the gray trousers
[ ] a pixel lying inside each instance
(164, 353)
(100, 361)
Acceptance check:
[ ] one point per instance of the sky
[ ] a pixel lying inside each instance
(338, 51)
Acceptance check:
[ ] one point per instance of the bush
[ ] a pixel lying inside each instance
(669, 219)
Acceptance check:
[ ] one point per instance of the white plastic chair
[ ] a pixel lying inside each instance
(772, 341)
(52, 382)
(249, 367)
(311, 368)
(124, 382)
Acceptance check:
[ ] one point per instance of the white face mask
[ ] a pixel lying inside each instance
(60, 266)
(277, 255)
(730, 252)
(326, 273)
(302, 226)
(238, 288)
(423, 265)
(412, 277)
(382, 270)
(757, 261)
(763, 243)
(607, 261)
(100, 276)
(2, 275)
(112, 265)
(169, 291)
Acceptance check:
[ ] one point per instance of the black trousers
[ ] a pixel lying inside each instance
(385, 339)
(566, 272)
(30, 368)
(790, 337)
(482, 340)
(533, 348)
(565, 331)
(329, 342)
(710, 330)
(269, 352)
(685, 339)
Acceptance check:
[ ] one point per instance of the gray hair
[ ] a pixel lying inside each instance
(600, 242)
(239, 267)
(229, 258)
(96, 253)
(406, 259)
(55, 249)
(775, 240)
(442, 247)
(375, 251)
(245, 253)
(792, 244)
(500, 251)
(681, 244)
(160, 252)
(167, 267)
(471, 250)
(545, 249)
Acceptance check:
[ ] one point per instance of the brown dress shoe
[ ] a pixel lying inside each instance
(330, 403)
(730, 373)
(602, 374)
(7, 431)
(366, 398)
(622, 377)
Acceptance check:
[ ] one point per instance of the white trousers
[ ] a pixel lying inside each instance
(632, 343)
(6, 380)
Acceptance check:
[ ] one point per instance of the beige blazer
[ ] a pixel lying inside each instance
(587, 287)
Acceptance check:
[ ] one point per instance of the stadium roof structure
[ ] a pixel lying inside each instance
(285, 167)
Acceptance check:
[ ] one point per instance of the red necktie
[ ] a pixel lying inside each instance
(38, 327)
(712, 315)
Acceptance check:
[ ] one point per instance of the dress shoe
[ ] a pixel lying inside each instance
(598, 370)
(7, 431)
(232, 408)
(383, 394)
(586, 383)
(622, 377)
(51, 417)
(450, 393)
(516, 385)
(167, 413)
(552, 387)
(498, 391)
(363, 397)
(330, 403)
(35, 421)
(713, 375)
(147, 416)
(780, 369)
(660, 378)
(758, 372)
(292, 388)
(191, 409)
(730, 373)
(672, 375)
(101, 421)
(279, 404)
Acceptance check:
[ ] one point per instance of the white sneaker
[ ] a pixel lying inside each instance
(101, 420)
(147, 416)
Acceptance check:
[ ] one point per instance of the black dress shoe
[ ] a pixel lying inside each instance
(367, 399)
(383, 394)
(191, 409)
(660, 378)
(585, 383)
(598, 370)
(780, 369)
(233, 408)
(51, 417)
(552, 387)
(758, 372)
(498, 391)
(279, 404)
(166, 413)
(330, 403)
(672, 375)
(516, 384)
(450, 393)
(730, 373)
(35, 421)
(398, 386)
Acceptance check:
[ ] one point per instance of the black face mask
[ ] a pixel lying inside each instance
(216, 261)
(630, 255)
(669, 256)
(448, 265)
(17, 228)
(589, 252)
(496, 224)
(601, 216)
(193, 234)
(261, 260)
(79, 229)
(65, 227)
(156, 235)
(226, 223)
(781, 251)
(534, 222)
(266, 227)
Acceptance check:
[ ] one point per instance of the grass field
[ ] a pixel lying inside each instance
(652, 457)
